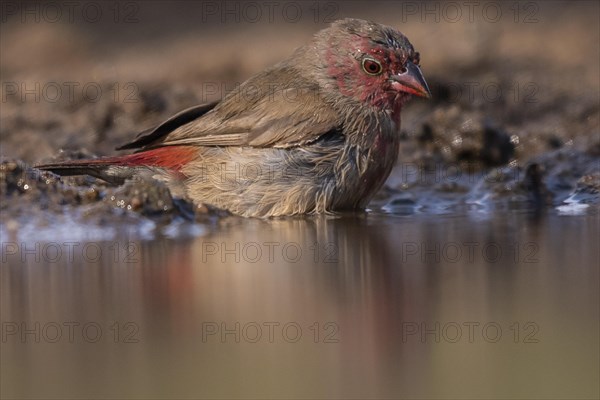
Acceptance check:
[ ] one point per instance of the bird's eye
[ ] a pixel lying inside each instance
(371, 66)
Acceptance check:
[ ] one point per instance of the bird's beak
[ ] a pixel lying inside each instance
(411, 81)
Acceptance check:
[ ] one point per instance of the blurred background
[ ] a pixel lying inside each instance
(474, 273)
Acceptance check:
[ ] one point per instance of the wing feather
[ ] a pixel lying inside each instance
(277, 108)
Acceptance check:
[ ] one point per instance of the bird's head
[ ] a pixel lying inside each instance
(369, 62)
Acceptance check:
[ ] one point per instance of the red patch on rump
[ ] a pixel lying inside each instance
(173, 158)
(170, 157)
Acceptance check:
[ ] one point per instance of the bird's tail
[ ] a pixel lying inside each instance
(117, 169)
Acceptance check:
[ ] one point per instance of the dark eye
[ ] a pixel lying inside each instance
(371, 66)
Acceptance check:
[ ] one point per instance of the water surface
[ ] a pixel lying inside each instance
(469, 305)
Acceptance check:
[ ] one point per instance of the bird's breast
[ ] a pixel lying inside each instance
(364, 167)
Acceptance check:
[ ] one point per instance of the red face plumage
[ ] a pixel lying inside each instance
(377, 66)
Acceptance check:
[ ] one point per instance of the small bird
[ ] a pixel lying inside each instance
(315, 133)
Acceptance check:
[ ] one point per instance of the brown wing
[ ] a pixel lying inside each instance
(276, 108)
(154, 135)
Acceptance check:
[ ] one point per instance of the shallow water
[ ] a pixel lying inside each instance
(470, 305)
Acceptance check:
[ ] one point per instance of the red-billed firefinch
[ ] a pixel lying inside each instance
(318, 132)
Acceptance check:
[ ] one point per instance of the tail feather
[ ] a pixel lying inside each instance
(104, 169)
(117, 169)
